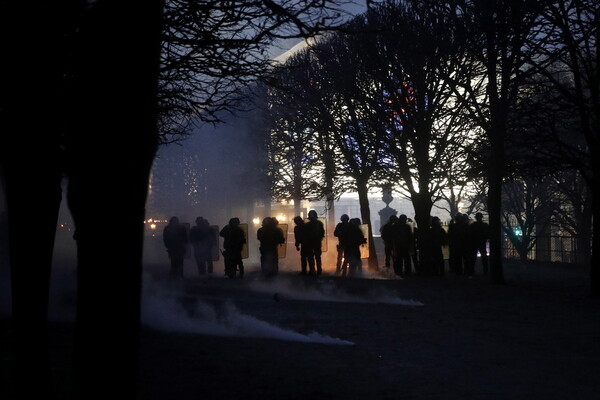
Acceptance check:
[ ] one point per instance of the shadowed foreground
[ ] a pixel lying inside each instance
(537, 338)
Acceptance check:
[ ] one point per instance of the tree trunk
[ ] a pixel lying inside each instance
(110, 147)
(31, 115)
(495, 214)
(595, 258)
(365, 213)
(32, 215)
(422, 204)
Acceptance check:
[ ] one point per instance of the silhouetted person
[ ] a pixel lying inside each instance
(437, 238)
(315, 232)
(339, 232)
(233, 242)
(270, 237)
(403, 243)
(175, 239)
(203, 240)
(354, 238)
(387, 235)
(300, 243)
(458, 232)
(479, 234)
(414, 254)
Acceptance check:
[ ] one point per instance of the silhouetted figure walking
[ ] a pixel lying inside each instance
(437, 238)
(403, 242)
(233, 242)
(479, 233)
(315, 232)
(458, 232)
(175, 239)
(270, 237)
(339, 232)
(387, 235)
(354, 238)
(203, 240)
(300, 243)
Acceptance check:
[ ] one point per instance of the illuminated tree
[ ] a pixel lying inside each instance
(408, 52)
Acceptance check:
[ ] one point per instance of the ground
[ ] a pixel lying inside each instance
(536, 337)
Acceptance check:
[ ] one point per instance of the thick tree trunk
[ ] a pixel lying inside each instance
(422, 205)
(495, 214)
(33, 205)
(365, 214)
(31, 95)
(595, 258)
(110, 147)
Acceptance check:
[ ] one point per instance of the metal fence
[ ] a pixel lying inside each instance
(547, 248)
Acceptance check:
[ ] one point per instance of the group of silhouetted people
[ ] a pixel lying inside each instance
(350, 238)
(465, 241)
(399, 242)
(406, 249)
(410, 250)
(202, 239)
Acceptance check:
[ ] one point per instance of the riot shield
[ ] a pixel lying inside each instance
(214, 229)
(282, 248)
(245, 251)
(364, 248)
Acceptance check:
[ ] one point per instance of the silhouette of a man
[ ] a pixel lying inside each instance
(479, 234)
(175, 239)
(270, 237)
(339, 232)
(403, 242)
(353, 239)
(234, 240)
(437, 238)
(203, 240)
(300, 243)
(315, 232)
(387, 235)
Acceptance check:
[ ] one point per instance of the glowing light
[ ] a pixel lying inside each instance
(256, 221)
(281, 218)
(152, 226)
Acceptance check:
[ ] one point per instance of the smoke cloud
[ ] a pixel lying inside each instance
(162, 311)
(327, 291)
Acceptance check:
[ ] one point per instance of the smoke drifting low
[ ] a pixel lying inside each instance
(164, 308)
(162, 311)
(328, 291)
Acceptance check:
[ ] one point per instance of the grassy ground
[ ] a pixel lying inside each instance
(537, 337)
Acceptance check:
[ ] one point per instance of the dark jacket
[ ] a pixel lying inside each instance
(234, 238)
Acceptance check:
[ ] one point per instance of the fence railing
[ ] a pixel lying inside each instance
(548, 248)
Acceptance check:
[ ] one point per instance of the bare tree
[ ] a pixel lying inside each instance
(569, 61)
(408, 55)
(212, 50)
(497, 32)
(97, 67)
(528, 205)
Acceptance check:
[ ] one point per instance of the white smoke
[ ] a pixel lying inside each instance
(326, 290)
(162, 311)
